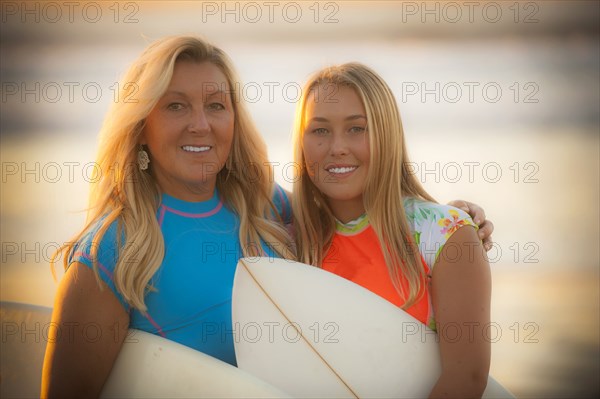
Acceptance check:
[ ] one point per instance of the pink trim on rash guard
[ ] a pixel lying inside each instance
(161, 215)
(100, 265)
(155, 325)
(109, 274)
(195, 215)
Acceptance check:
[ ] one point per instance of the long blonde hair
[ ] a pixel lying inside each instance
(388, 180)
(124, 193)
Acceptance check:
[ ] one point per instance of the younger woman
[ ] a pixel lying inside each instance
(379, 226)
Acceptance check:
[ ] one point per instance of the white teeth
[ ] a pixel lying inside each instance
(192, 148)
(342, 170)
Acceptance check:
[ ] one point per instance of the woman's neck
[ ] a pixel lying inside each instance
(347, 210)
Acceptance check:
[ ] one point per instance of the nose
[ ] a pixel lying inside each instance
(339, 145)
(199, 122)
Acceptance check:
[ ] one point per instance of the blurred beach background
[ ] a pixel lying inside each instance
(500, 103)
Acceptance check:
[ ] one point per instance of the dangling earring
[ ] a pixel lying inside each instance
(143, 159)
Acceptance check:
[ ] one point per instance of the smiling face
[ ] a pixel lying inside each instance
(189, 131)
(336, 147)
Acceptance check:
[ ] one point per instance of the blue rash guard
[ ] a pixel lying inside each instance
(192, 304)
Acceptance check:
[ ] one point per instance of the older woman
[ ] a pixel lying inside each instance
(171, 214)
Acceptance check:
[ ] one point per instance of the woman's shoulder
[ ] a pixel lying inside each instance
(101, 240)
(420, 212)
(103, 223)
(101, 243)
(432, 224)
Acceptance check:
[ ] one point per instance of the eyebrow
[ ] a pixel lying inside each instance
(182, 94)
(348, 118)
(175, 92)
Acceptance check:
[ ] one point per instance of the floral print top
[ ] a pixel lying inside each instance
(432, 225)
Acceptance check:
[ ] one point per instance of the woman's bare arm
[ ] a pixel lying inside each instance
(461, 294)
(89, 327)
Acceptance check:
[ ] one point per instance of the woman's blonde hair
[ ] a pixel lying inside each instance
(388, 180)
(124, 193)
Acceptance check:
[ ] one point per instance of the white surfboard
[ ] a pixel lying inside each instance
(149, 366)
(314, 334)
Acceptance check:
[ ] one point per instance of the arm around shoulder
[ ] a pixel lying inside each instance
(89, 327)
(461, 295)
